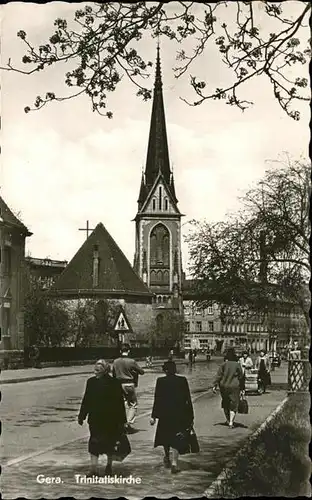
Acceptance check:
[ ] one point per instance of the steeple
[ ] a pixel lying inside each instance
(157, 152)
(143, 192)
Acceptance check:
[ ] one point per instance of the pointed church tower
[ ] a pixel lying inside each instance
(158, 221)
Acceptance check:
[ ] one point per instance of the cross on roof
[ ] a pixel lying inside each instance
(87, 229)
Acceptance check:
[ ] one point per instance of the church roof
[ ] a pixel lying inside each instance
(157, 160)
(7, 217)
(116, 277)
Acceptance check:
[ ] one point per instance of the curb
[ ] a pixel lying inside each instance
(23, 458)
(41, 377)
(211, 491)
(55, 375)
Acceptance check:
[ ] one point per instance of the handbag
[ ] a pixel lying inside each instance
(186, 442)
(243, 406)
(194, 446)
(122, 448)
(182, 442)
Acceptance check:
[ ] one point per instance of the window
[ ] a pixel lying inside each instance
(159, 299)
(7, 260)
(159, 246)
(187, 326)
(166, 203)
(154, 204)
(210, 326)
(159, 276)
(198, 326)
(6, 320)
(209, 310)
(160, 198)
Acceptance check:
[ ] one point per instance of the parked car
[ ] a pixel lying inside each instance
(275, 359)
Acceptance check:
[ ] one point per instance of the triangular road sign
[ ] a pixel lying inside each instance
(122, 323)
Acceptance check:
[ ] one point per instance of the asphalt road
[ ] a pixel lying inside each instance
(41, 414)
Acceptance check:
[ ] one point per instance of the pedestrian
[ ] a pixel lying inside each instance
(190, 356)
(174, 410)
(103, 404)
(194, 355)
(170, 356)
(231, 381)
(208, 354)
(35, 356)
(127, 371)
(263, 366)
(246, 362)
(149, 361)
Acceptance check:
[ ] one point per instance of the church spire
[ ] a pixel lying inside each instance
(157, 152)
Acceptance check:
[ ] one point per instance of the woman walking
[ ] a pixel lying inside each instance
(231, 381)
(174, 410)
(103, 403)
(263, 366)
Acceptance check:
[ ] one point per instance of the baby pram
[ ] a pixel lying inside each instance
(252, 381)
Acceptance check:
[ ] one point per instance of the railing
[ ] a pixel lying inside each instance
(299, 375)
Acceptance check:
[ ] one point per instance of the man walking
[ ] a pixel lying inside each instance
(127, 371)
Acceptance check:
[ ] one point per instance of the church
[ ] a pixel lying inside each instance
(150, 293)
(153, 300)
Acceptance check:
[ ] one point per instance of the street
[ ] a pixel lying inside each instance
(40, 414)
(41, 436)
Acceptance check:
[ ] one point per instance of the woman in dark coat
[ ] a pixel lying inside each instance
(103, 403)
(174, 410)
(230, 378)
(263, 365)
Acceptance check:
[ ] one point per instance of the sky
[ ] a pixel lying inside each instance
(64, 164)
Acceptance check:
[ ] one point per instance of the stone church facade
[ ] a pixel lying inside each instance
(158, 258)
(150, 293)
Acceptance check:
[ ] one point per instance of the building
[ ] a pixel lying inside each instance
(13, 234)
(100, 271)
(156, 297)
(44, 271)
(157, 257)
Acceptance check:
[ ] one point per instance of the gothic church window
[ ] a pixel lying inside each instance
(166, 203)
(159, 246)
(154, 204)
(166, 277)
(160, 198)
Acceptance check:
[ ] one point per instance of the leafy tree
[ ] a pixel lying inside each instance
(46, 320)
(91, 322)
(260, 256)
(102, 44)
(168, 330)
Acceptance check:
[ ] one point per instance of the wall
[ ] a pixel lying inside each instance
(12, 287)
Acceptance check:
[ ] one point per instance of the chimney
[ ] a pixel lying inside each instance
(95, 273)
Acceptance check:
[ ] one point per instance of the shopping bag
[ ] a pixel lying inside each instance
(194, 446)
(243, 406)
(122, 448)
(182, 442)
(268, 378)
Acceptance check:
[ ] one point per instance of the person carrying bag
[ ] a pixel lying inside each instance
(243, 406)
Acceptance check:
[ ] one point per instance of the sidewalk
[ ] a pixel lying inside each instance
(29, 374)
(218, 444)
